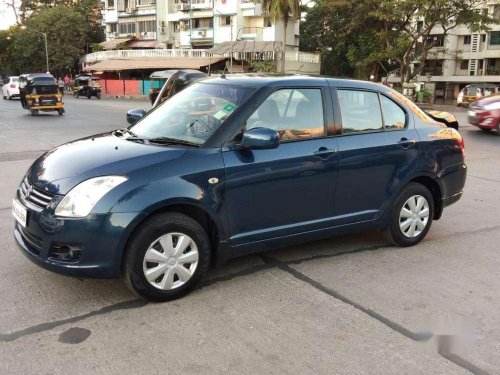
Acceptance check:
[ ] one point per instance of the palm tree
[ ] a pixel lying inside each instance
(282, 10)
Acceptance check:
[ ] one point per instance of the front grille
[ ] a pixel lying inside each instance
(37, 197)
(35, 242)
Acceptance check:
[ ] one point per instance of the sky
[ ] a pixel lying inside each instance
(6, 16)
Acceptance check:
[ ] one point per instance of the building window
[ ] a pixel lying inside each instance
(467, 39)
(495, 38)
(147, 26)
(433, 67)
(126, 28)
(464, 64)
(112, 27)
(225, 21)
(420, 24)
(111, 3)
(483, 38)
(435, 40)
(203, 23)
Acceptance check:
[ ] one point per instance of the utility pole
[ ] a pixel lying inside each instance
(46, 44)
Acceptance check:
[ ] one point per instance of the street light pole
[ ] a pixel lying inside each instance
(46, 44)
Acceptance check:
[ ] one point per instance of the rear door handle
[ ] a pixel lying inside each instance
(324, 152)
(405, 142)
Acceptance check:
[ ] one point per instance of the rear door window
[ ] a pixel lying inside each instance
(360, 111)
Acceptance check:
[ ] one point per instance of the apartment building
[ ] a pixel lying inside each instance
(462, 57)
(192, 24)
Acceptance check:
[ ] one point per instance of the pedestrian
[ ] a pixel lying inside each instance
(60, 83)
(67, 83)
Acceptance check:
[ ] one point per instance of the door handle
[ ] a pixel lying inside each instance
(405, 142)
(324, 152)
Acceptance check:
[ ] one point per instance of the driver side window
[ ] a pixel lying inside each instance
(294, 113)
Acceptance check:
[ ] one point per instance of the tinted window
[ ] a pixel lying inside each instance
(293, 113)
(394, 116)
(360, 111)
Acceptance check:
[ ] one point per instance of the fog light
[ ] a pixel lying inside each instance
(65, 252)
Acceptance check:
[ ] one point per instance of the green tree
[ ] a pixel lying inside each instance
(282, 10)
(67, 38)
(369, 34)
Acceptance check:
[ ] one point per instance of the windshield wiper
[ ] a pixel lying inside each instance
(167, 140)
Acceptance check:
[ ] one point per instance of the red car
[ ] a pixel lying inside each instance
(485, 113)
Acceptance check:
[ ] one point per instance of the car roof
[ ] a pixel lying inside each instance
(39, 75)
(273, 80)
(165, 74)
(487, 100)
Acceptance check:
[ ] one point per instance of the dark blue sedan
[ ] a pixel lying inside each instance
(235, 165)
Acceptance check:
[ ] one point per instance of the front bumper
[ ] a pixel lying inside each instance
(102, 238)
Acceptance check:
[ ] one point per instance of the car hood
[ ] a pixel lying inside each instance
(65, 166)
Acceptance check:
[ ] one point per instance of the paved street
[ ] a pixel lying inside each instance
(347, 305)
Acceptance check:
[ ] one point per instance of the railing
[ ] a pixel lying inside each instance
(188, 53)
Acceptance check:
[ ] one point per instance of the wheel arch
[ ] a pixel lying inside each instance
(192, 209)
(435, 189)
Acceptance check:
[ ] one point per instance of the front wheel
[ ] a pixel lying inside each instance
(34, 112)
(60, 111)
(166, 257)
(411, 215)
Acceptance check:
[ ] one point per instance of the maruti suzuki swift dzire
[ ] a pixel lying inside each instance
(235, 165)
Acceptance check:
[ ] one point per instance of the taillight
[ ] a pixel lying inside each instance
(460, 140)
(12, 86)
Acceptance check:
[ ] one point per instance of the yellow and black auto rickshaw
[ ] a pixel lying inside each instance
(87, 86)
(39, 92)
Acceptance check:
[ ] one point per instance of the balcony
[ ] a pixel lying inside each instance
(251, 9)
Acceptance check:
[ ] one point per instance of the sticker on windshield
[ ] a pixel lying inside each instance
(219, 115)
(229, 107)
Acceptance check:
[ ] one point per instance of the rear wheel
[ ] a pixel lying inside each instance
(60, 111)
(166, 257)
(411, 215)
(34, 112)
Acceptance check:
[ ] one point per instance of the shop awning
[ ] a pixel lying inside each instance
(152, 63)
(245, 46)
(112, 43)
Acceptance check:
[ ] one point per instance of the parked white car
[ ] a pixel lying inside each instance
(10, 88)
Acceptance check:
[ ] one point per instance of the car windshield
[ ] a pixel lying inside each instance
(193, 114)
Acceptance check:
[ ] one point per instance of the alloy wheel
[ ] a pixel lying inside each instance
(170, 261)
(414, 216)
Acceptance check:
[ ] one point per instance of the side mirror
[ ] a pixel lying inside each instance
(259, 139)
(135, 115)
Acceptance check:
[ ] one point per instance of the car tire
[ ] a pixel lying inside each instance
(60, 112)
(147, 244)
(34, 112)
(409, 223)
(8, 96)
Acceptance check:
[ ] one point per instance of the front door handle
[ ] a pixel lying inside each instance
(405, 142)
(324, 152)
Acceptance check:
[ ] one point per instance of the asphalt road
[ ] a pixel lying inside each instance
(348, 305)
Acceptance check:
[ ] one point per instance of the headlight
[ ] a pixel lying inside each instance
(492, 106)
(84, 196)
